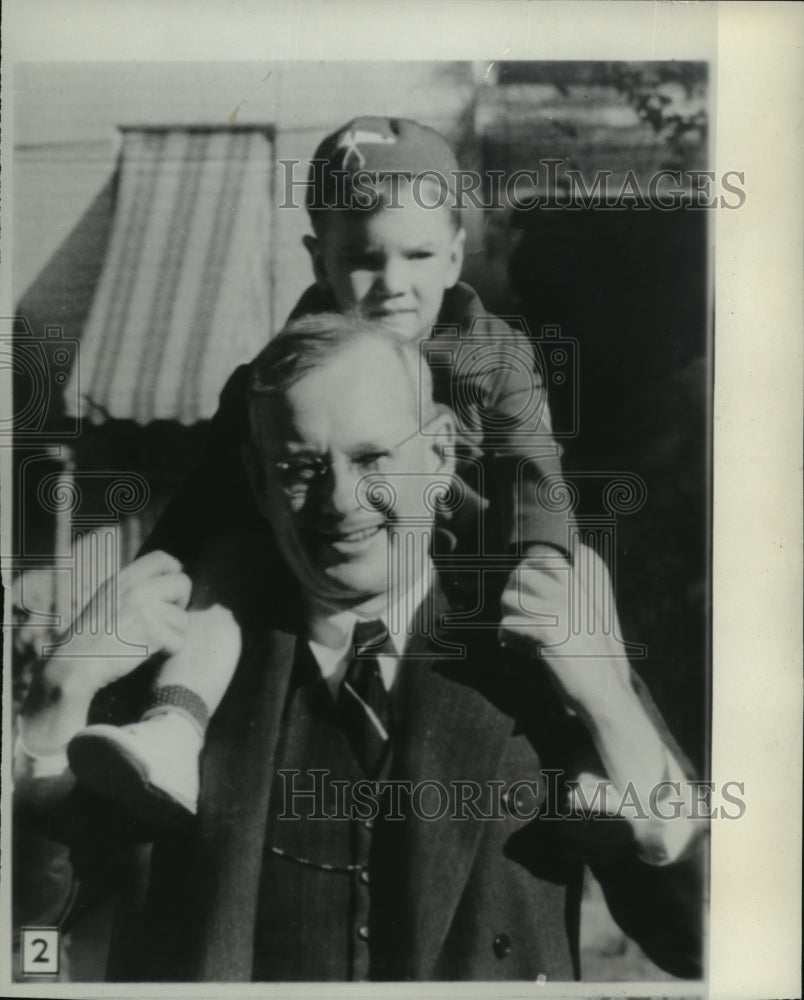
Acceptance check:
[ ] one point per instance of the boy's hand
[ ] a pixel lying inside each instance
(567, 612)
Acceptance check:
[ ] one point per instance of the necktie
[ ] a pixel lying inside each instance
(363, 700)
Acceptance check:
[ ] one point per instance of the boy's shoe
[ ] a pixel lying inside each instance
(150, 767)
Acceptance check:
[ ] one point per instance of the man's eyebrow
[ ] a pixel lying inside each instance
(364, 446)
(298, 449)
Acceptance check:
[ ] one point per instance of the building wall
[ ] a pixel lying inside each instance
(66, 141)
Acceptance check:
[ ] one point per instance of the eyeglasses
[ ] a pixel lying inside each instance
(299, 473)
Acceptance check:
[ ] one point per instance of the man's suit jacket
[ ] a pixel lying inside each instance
(484, 899)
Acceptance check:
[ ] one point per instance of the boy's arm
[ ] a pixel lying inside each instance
(513, 415)
(529, 454)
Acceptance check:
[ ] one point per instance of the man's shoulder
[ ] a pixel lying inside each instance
(243, 571)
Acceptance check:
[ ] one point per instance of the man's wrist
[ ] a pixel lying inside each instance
(45, 762)
(57, 705)
(68, 679)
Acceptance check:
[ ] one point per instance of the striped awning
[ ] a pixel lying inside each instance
(184, 292)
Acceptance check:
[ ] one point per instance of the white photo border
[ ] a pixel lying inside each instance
(758, 76)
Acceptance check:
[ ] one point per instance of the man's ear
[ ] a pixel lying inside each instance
(443, 444)
(313, 246)
(456, 257)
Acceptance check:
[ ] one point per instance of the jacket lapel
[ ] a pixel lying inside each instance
(236, 779)
(451, 732)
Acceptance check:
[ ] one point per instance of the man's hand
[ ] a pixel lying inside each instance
(133, 615)
(142, 606)
(567, 614)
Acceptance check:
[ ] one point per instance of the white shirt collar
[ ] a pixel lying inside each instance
(330, 632)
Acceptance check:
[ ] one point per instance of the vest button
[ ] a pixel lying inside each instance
(502, 945)
(364, 876)
(368, 824)
(363, 932)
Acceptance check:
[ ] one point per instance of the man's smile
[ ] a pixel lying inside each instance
(352, 540)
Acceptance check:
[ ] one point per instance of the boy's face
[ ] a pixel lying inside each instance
(393, 264)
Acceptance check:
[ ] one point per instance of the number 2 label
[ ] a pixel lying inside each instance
(40, 951)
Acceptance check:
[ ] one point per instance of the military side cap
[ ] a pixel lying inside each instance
(373, 147)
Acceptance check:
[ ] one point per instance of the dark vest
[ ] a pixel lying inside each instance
(329, 891)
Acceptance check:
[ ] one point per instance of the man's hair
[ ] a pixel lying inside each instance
(311, 342)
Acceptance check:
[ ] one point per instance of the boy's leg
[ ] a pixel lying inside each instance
(205, 663)
(151, 766)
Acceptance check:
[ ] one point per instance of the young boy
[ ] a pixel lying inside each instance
(388, 244)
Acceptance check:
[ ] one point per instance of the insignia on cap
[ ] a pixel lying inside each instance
(349, 142)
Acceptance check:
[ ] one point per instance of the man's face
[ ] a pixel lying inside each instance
(393, 264)
(355, 418)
